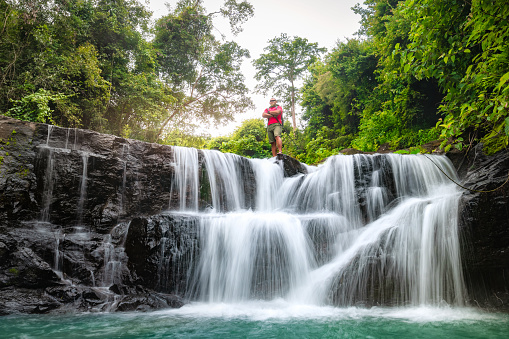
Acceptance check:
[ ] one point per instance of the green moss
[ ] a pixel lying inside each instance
(495, 144)
(23, 172)
(13, 271)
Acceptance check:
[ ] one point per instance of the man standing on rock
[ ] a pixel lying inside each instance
(274, 126)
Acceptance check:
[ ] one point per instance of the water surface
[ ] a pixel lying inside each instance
(274, 319)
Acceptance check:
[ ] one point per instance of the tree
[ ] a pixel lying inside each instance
(202, 72)
(284, 63)
(88, 63)
(466, 53)
(340, 88)
(44, 55)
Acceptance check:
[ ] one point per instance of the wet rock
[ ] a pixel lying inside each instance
(18, 300)
(351, 151)
(384, 148)
(160, 249)
(29, 270)
(485, 227)
(291, 166)
(93, 178)
(149, 302)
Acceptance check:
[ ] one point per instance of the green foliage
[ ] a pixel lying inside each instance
(203, 73)
(411, 150)
(36, 107)
(441, 70)
(425, 69)
(181, 138)
(237, 13)
(339, 90)
(461, 46)
(249, 140)
(100, 65)
(322, 146)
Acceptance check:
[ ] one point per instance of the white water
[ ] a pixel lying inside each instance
(357, 229)
(186, 177)
(83, 187)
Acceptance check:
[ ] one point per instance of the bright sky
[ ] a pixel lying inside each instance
(321, 21)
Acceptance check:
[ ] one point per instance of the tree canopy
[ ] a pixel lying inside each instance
(421, 70)
(102, 65)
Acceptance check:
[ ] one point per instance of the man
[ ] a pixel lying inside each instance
(274, 126)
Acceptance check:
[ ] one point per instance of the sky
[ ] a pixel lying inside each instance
(321, 21)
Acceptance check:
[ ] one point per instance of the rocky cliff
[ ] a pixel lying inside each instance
(84, 227)
(485, 226)
(82, 222)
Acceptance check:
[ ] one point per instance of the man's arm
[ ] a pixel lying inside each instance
(275, 112)
(266, 115)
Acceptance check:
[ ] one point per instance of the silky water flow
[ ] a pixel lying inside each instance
(360, 246)
(356, 230)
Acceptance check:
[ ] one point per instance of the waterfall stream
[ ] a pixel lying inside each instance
(361, 229)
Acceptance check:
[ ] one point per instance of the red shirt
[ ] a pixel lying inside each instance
(273, 120)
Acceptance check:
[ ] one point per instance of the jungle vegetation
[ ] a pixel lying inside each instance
(104, 65)
(418, 70)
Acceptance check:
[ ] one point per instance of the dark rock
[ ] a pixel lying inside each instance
(485, 227)
(384, 148)
(291, 166)
(149, 302)
(31, 271)
(17, 300)
(433, 147)
(160, 249)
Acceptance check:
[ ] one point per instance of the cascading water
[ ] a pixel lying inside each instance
(359, 229)
(83, 188)
(248, 251)
(186, 179)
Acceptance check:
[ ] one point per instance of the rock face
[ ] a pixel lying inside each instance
(485, 226)
(84, 227)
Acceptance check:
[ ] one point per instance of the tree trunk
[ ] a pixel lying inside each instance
(294, 123)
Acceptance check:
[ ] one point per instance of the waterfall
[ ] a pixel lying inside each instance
(113, 246)
(185, 185)
(83, 188)
(48, 180)
(361, 229)
(223, 176)
(251, 255)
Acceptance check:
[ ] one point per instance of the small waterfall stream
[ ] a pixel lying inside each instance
(362, 229)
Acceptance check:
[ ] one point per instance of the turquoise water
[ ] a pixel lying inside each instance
(264, 320)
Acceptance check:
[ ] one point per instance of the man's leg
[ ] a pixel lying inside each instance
(279, 144)
(273, 146)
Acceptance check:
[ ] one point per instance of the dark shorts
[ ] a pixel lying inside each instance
(274, 130)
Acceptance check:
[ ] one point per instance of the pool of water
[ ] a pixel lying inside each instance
(275, 319)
